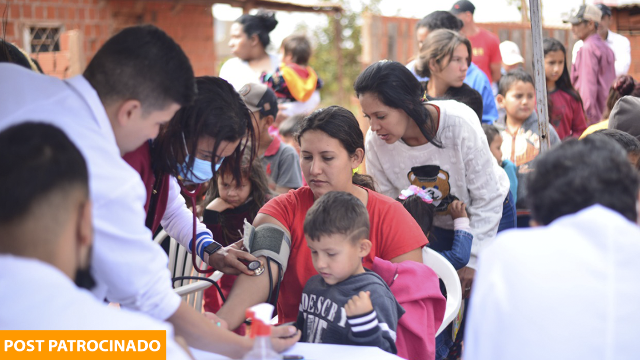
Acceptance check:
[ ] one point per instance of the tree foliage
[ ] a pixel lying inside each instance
(325, 60)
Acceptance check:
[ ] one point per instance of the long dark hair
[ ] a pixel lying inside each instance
(396, 87)
(260, 193)
(260, 24)
(340, 124)
(564, 82)
(218, 112)
(623, 86)
(422, 212)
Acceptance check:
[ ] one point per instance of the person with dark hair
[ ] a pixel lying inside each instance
(249, 41)
(280, 161)
(294, 80)
(12, 54)
(47, 238)
(188, 151)
(520, 131)
(332, 146)
(624, 85)
(288, 129)
(444, 59)
(486, 45)
(565, 105)
(630, 144)
(593, 70)
(420, 205)
(228, 203)
(581, 258)
(475, 78)
(336, 228)
(438, 146)
(495, 145)
(107, 112)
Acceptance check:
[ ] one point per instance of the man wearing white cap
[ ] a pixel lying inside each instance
(593, 71)
(511, 58)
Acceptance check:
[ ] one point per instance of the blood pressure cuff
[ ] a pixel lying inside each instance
(268, 240)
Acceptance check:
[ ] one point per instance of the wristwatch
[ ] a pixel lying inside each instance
(212, 248)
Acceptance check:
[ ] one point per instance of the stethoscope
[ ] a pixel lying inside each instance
(251, 265)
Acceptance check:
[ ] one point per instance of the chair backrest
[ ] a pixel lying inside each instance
(180, 264)
(449, 277)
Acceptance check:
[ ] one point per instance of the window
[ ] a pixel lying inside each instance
(44, 39)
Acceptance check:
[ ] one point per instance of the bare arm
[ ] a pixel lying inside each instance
(413, 255)
(249, 290)
(495, 71)
(202, 334)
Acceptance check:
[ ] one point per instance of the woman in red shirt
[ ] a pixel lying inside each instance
(331, 147)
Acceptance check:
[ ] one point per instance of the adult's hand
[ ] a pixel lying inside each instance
(284, 337)
(466, 275)
(227, 260)
(217, 321)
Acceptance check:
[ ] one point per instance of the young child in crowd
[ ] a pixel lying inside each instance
(229, 204)
(566, 113)
(521, 145)
(345, 303)
(288, 130)
(495, 144)
(281, 162)
(294, 80)
(420, 205)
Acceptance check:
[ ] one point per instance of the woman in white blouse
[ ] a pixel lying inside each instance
(438, 146)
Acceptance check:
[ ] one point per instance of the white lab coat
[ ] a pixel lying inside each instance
(38, 296)
(568, 290)
(129, 267)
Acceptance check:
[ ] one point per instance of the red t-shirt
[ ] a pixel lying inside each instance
(486, 50)
(393, 232)
(566, 114)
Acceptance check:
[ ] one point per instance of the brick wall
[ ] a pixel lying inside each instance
(393, 38)
(190, 25)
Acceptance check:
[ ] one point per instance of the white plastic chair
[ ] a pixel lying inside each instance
(449, 277)
(180, 264)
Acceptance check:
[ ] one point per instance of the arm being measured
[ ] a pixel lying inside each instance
(251, 290)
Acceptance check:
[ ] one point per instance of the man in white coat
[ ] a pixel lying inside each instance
(136, 82)
(567, 288)
(45, 246)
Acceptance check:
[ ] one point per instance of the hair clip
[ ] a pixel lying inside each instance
(414, 190)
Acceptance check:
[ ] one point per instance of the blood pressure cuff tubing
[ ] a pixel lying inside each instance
(268, 240)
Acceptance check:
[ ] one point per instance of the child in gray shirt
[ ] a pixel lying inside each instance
(345, 303)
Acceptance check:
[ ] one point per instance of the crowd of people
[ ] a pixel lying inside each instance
(243, 167)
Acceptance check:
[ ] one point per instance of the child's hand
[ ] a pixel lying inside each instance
(359, 304)
(219, 205)
(457, 209)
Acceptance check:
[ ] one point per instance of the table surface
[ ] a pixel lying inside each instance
(319, 352)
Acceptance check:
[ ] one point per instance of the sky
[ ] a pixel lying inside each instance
(553, 12)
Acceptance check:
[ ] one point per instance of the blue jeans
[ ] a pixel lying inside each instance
(509, 216)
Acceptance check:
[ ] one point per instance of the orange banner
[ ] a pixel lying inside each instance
(83, 344)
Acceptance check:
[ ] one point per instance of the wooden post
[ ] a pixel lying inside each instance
(337, 17)
(538, 75)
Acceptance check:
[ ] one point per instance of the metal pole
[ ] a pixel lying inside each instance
(337, 17)
(538, 73)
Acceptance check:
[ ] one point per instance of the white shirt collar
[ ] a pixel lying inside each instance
(90, 96)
